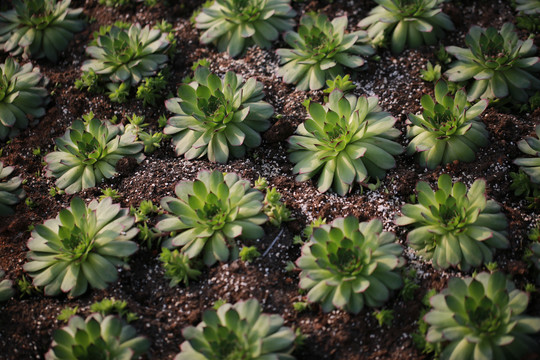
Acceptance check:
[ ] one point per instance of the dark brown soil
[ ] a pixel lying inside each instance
(27, 322)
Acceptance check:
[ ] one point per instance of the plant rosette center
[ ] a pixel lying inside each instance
(214, 213)
(321, 44)
(453, 220)
(90, 150)
(484, 316)
(346, 259)
(445, 124)
(411, 8)
(248, 10)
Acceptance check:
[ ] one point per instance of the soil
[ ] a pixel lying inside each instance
(27, 322)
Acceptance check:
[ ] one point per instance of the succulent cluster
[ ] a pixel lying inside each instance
(39, 28)
(497, 63)
(529, 7)
(453, 226)
(530, 165)
(81, 246)
(407, 23)
(11, 191)
(234, 25)
(97, 337)
(346, 140)
(177, 267)
(348, 264)
(320, 51)
(208, 214)
(217, 117)
(482, 318)
(6, 289)
(239, 331)
(447, 130)
(88, 153)
(126, 56)
(22, 93)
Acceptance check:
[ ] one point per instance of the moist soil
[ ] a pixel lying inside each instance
(28, 321)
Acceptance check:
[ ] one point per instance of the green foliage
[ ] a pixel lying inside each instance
(66, 313)
(530, 165)
(97, 337)
(150, 140)
(39, 28)
(239, 331)
(6, 288)
(447, 130)
(88, 153)
(261, 184)
(11, 191)
(81, 246)
(300, 306)
(481, 318)
(178, 267)
(114, 3)
(345, 141)
(348, 264)
(216, 117)
(235, 25)
(409, 285)
(405, 23)
(419, 337)
(26, 288)
(320, 51)
(118, 92)
(453, 226)
(532, 256)
(339, 83)
(22, 94)
(208, 214)
(530, 23)
(496, 63)
(127, 56)
(109, 192)
(249, 253)
(113, 306)
(146, 207)
(523, 186)
(276, 211)
(151, 89)
(431, 73)
(530, 7)
(89, 80)
(384, 317)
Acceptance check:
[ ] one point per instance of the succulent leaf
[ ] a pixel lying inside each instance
(11, 191)
(530, 165)
(453, 227)
(81, 246)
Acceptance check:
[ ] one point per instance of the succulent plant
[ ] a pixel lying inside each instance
(482, 318)
(217, 117)
(6, 289)
(407, 22)
(347, 265)
(531, 166)
(447, 130)
(39, 28)
(81, 246)
(127, 55)
(97, 337)
(234, 25)
(208, 214)
(533, 257)
(11, 192)
(453, 226)
(346, 140)
(88, 153)
(239, 331)
(497, 63)
(529, 7)
(320, 51)
(22, 93)
(178, 267)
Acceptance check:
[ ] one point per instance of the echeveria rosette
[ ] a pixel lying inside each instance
(210, 213)
(22, 93)
(97, 337)
(39, 28)
(482, 318)
(530, 165)
(345, 141)
(239, 331)
(81, 246)
(320, 51)
(234, 25)
(6, 288)
(11, 191)
(529, 7)
(348, 265)
(496, 63)
(128, 55)
(88, 153)
(217, 117)
(453, 226)
(447, 130)
(409, 23)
